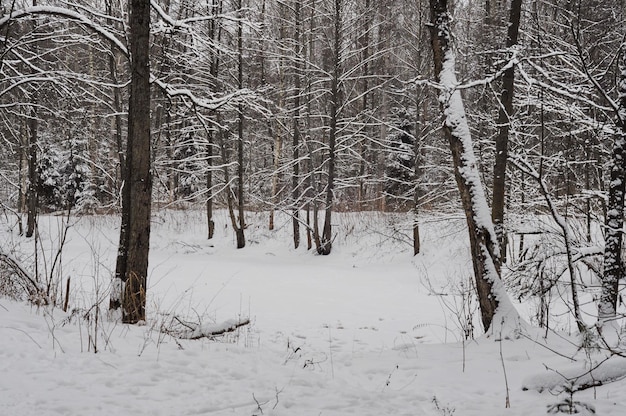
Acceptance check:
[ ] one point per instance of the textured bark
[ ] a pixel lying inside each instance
(33, 177)
(364, 44)
(137, 190)
(295, 190)
(326, 242)
(209, 186)
(215, 33)
(483, 243)
(502, 139)
(32, 197)
(613, 263)
(239, 230)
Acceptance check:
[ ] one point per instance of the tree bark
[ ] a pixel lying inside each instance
(32, 197)
(326, 243)
(613, 263)
(239, 230)
(132, 264)
(295, 190)
(502, 139)
(215, 34)
(483, 242)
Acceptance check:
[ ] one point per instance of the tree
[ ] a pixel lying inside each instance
(295, 188)
(613, 263)
(214, 35)
(132, 264)
(32, 199)
(492, 297)
(239, 224)
(327, 233)
(505, 114)
(573, 75)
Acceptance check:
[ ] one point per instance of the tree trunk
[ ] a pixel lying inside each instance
(502, 139)
(483, 242)
(32, 197)
(327, 237)
(239, 230)
(132, 264)
(215, 34)
(613, 263)
(364, 41)
(209, 185)
(295, 191)
(33, 177)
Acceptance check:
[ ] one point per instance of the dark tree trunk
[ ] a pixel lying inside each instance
(132, 262)
(32, 197)
(215, 33)
(33, 177)
(239, 230)
(327, 234)
(364, 41)
(209, 186)
(502, 139)
(296, 128)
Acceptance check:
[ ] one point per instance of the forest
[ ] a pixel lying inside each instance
(318, 126)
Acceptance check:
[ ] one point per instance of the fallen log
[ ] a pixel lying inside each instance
(195, 330)
(577, 378)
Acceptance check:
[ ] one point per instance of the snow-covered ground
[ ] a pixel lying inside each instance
(368, 330)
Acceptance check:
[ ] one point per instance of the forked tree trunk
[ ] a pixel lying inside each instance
(483, 242)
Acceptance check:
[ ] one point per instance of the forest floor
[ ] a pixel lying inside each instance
(369, 330)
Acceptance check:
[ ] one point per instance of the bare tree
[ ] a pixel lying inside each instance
(483, 242)
(502, 139)
(295, 187)
(239, 225)
(613, 263)
(327, 233)
(132, 265)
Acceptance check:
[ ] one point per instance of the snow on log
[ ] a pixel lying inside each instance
(194, 330)
(577, 378)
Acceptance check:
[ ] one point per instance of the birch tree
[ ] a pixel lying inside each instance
(613, 263)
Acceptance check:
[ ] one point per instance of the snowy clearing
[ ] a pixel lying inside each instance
(359, 332)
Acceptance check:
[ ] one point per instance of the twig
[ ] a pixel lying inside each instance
(258, 405)
(277, 393)
(23, 332)
(507, 403)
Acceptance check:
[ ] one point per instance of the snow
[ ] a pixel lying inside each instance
(359, 332)
(576, 377)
